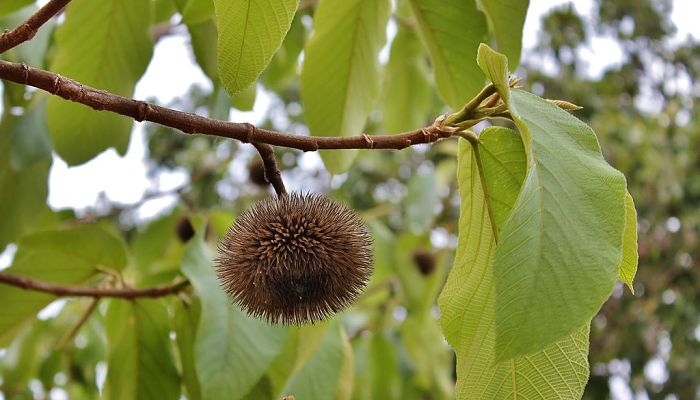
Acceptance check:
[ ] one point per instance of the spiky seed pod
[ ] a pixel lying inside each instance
(256, 173)
(184, 229)
(425, 261)
(295, 259)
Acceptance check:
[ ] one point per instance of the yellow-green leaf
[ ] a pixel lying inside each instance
(107, 45)
(250, 31)
(452, 31)
(467, 302)
(628, 267)
(559, 252)
(340, 75)
(506, 19)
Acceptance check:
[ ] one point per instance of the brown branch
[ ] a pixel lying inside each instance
(28, 28)
(192, 123)
(272, 171)
(78, 291)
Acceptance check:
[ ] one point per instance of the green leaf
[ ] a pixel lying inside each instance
(34, 51)
(249, 34)
(197, 11)
(30, 138)
(452, 31)
(467, 303)
(245, 99)
(408, 92)
(8, 6)
(140, 363)
(157, 252)
(420, 201)
(65, 256)
(630, 257)
(233, 350)
(185, 322)
(559, 252)
(284, 63)
(324, 369)
(340, 75)
(23, 194)
(506, 19)
(204, 48)
(113, 42)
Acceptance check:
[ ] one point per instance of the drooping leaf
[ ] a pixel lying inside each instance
(468, 300)
(506, 19)
(23, 194)
(197, 11)
(30, 138)
(62, 256)
(204, 48)
(8, 6)
(284, 63)
(107, 45)
(340, 75)
(185, 322)
(140, 362)
(452, 31)
(249, 34)
(324, 369)
(628, 267)
(233, 350)
(407, 91)
(420, 201)
(559, 252)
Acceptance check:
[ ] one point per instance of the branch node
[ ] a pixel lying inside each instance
(368, 139)
(25, 68)
(249, 132)
(143, 110)
(56, 85)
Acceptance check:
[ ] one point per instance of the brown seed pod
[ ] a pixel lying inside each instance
(295, 258)
(425, 261)
(256, 173)
(184, 229)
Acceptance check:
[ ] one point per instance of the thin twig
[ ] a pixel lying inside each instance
(28, 28)
(79, 291)
(63, 343)
(272, 171)
(192, 123)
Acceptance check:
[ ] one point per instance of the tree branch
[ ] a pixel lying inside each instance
(272, 171)
(28, 28)
(192, 123)
(78, 291)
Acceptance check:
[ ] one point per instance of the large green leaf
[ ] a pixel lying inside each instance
(186, 321)
(140, 362)
(467, 302)
(30, 137)
(323, 369)
(65, 256)
(452, 31)
(506, 19)
(8, 6)
(250, 31)
(559, 252)
(23, 194)
(283, 65)
(340, 75)
(196, 11)
(407, 91)
(233, 350)
(628, 267)
(104, 44)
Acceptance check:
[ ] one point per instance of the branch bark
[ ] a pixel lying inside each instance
(272, 171)
(101, 100)
(28, 28)
(78, 291)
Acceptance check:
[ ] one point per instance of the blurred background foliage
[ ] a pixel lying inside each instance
(643, 110)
